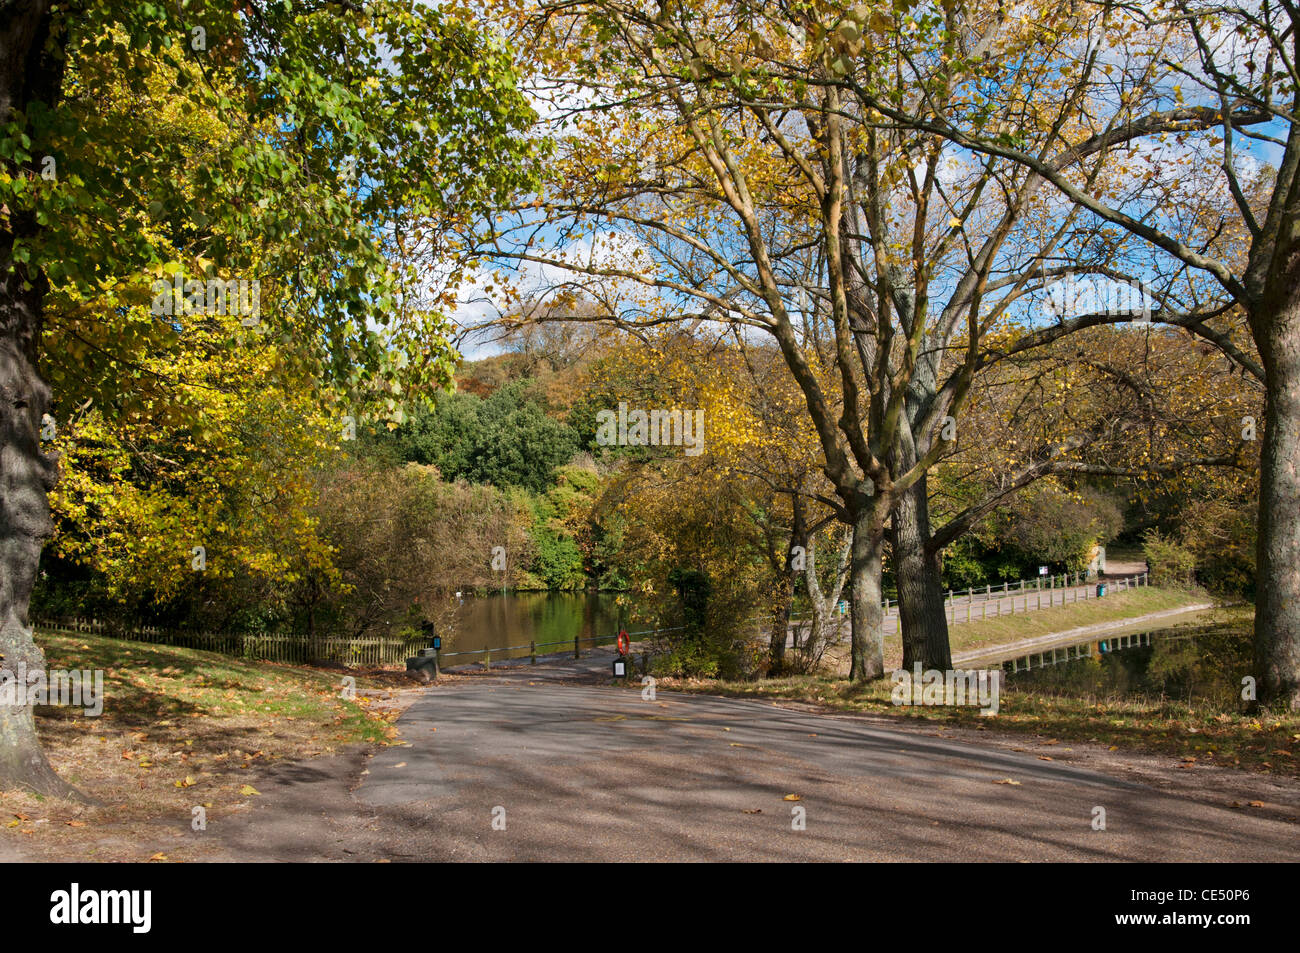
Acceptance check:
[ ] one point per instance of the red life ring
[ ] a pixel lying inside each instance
(624, 643)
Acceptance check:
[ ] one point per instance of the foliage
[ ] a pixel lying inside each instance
(1171, 564)
(506, 439)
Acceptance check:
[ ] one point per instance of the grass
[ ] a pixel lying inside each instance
(182, 728)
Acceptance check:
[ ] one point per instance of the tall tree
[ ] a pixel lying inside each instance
(732, 157)
(354, 131)
(1205, 97)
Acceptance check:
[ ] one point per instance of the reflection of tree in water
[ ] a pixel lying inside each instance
(1187, 664)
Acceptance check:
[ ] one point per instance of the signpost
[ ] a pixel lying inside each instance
(620, 663)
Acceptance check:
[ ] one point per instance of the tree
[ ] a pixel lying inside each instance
(733, 158)
(1205, 96)
(328, 107)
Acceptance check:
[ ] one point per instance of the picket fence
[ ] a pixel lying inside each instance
(296, 649)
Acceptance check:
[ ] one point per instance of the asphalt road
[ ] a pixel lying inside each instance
(579, 771)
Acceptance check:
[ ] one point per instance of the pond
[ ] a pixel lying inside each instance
(517, 618)
(1194, 664)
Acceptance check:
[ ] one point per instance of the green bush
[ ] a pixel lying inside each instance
(1171, 565)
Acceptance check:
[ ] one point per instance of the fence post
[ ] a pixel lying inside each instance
(487, 660)
(532, 651)
(575, 647)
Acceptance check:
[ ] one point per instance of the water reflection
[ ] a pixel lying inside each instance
(516, 619)
(1191, 664)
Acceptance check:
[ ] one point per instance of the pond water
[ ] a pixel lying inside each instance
(1191, 663)
(516, 618)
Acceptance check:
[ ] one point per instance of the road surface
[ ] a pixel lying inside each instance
(571, 769)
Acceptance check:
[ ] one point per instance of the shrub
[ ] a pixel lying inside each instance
(1170, 563)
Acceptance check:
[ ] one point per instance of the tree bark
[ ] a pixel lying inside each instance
(785, 589)
(1276, 324)
(868, 618)
(823, 606)
(922, 621)
(27, 72)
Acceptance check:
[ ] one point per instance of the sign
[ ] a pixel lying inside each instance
(437, 641)
(620, 667)
(1042, 570)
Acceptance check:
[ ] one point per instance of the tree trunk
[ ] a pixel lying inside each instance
(868, 617)
(785, 589)
(922, 621)
(29, 71)
(781, 621)
(823, 606)
(1277, 603)
(26, 477)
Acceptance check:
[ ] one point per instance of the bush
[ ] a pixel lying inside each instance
(1171, 564)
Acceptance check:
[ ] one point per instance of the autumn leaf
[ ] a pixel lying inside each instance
(249, 791)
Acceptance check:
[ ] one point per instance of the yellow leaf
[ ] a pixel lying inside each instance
(792, 797)
(248, 790)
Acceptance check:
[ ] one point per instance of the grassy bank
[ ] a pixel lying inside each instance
(1116, 607)
(183, 728)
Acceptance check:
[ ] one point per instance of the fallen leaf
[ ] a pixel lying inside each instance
(792, 797)
(76, 823)
(400, 764)
(159, 856)
(757, 810)
(1007, 781)
(248, 790)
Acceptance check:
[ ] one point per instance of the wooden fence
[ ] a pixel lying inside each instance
(298, 649)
